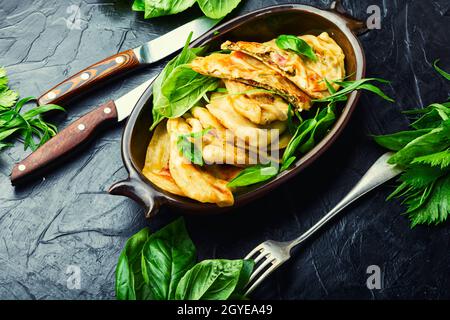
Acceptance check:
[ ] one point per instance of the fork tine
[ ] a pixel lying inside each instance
(253, 252)
(261, 267)
(262, 255)
(262, 277)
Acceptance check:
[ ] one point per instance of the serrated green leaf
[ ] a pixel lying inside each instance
(439, 159)
(436, 208)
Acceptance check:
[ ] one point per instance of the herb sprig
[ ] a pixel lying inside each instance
(162, 266)
(424, 153)
(28, 125)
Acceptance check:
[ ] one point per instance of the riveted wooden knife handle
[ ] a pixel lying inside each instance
(66, 141)
(89, 77)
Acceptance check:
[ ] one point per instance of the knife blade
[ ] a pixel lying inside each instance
(125, 61)
(76, 134)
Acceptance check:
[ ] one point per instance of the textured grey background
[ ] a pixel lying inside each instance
(69, 219)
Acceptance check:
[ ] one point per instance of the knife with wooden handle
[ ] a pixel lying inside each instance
(76, 134)
(118, 64)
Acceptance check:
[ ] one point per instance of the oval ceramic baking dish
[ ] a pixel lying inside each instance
(261, 25)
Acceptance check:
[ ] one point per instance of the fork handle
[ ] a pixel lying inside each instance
(380, 172)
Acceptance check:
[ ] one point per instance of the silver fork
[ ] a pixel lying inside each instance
(270, 255)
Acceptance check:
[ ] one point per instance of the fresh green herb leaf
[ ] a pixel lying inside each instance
(441, 72)
(431, 116)
(217, 9)
(214, 280)
(166, 256)
(435, 141)
(130, 284)
(29, 125)
(189, 148)
(158, 8)
(178, 88)
(350, 86)
(440, 159)
(138, 5)
(299, 137)
(297, 45)
(324, 121)
(253, 175)
(399, 140)
(436, 208)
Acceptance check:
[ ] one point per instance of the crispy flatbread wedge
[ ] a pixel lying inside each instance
(195, 182)
(244, 68)
(156, 168)
(307, 74)
(259, 107)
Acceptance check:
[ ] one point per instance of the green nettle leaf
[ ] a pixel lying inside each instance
(8, 98)
(436, 208)
(297, 45)
(440, 159)
(399, 140)
(130, 283)
(441, 72)
(166, 257)
(217, 9)
(214, 280)
(432, 115)
(253, 175)
(435, 141)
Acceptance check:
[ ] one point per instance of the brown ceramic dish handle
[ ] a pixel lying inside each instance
(76, 134)
(140, 192)
(89, 77)
(357, 26)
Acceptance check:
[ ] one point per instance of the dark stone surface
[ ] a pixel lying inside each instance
(69, 219)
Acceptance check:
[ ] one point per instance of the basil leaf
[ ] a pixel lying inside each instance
(138, 5)
(297, 45)
(166, 257)
(217, 9)
(178, 88)
(130, 284)
(441, 72)
(399, 140)
(435, 141)
(157, 8)
(183, 89)
(213, 280)
(253, 175)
